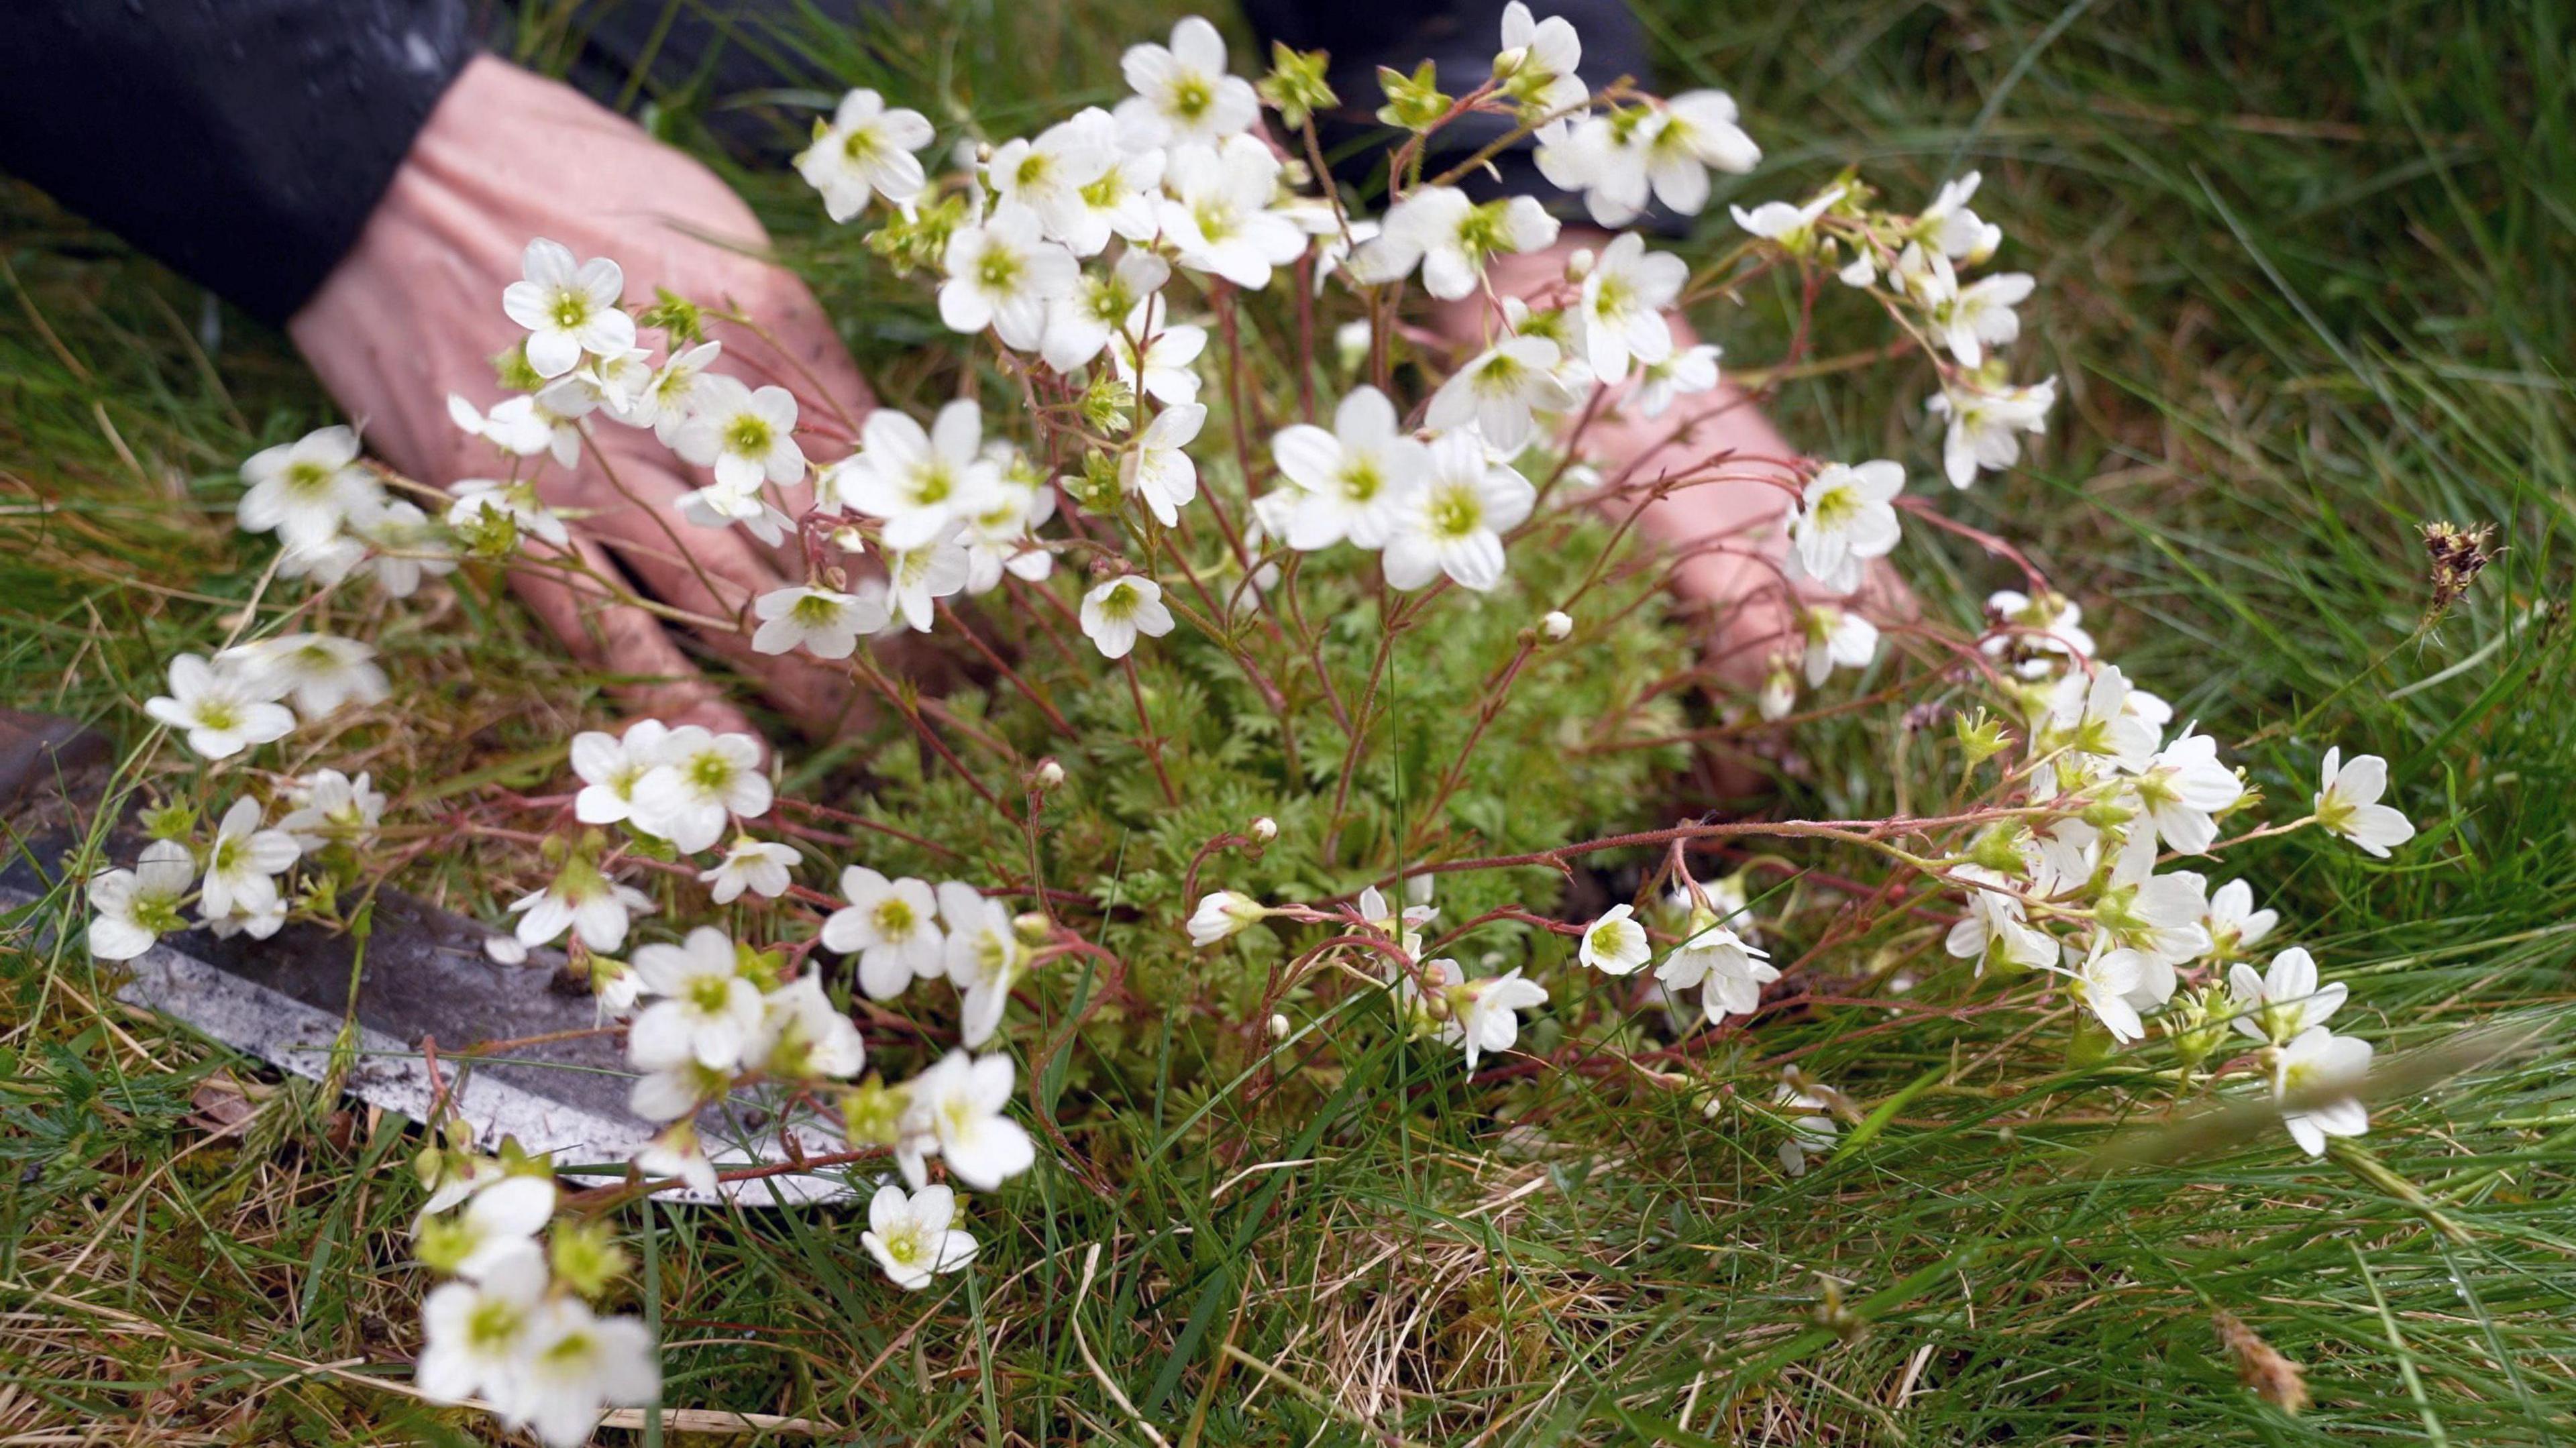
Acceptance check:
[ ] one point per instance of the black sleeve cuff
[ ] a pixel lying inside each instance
(242, 142)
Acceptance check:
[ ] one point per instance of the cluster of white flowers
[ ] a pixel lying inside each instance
(514, 1327)
(332, 516)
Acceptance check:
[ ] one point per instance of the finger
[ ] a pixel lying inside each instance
(718, 572)
(659, 680)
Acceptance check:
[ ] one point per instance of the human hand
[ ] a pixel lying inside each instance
(413, 313)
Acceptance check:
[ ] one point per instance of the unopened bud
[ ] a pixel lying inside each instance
(1278, 1027)
(1508, 63)
(1048, 774)
(849, 539)
(1579, 265)
(1557, 625)
(1264, 829)
(1032, 928)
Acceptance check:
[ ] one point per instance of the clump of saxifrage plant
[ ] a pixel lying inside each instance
(1309, 658)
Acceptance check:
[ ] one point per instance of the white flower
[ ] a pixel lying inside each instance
(747, 436)
(1183, 93)
(404, 546)
(1986, 424)
(1729, 972)
(1698, 134)
(575, 1362)
(475, 1335)
(1218, 215)
(1499, 391)
(702, 778)
(1481, 1014)
(2347, 801)
(920, 481)
(480, 500)
(865, 150)
(891, 925)
(2044, 630)
(610, 768)
(2093, 717)
(1811, 1135)
(1543, 57)
(675, 1091)
(330, 806)
(133, 908)
(513, 425)
(958, 1104)
(2105, 980)
(1000, 540)
(1123, 200)
(318, 672)
(2182, 787)
(2232, 921)
(1454, 522)
(1101, 305)
(500, 1220)
(1836, 637)
(1792, 226)
(667, 400)
(1968, 319)
(1164, 372)
(307, 488)
(2317, 1064)
(1615, 944)
(580, 898)
(824, 623)
(1350, 482)
(568, 308)
(803, 1036)
(760, 866)
(1995, 924)
(615, 385)
(1451, 238)
(1679, 375)
(2285, 1000)
(1115, 612)
(707, 1012)
(1952, 228)
(1223, 914)
(984, 957)
(1047, 175)
(916, 578)
(1605, 158)
(1158, 468)
(677, 1152)
(1843, 519)
(1622, 309)
(223, 711)
(910, 1236)
(1005, 275)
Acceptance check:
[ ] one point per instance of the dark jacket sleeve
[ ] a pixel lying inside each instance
(243, 142)
(1460, 37)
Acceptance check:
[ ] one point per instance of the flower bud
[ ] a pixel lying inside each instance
(1579, 265)
(1263, 829)
(1033, 928)
(1223, 914)
(1508, 63)
(1278, 1027)
(849, 539)
(1048, 774)
(1556, 626)
(1779, 689)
